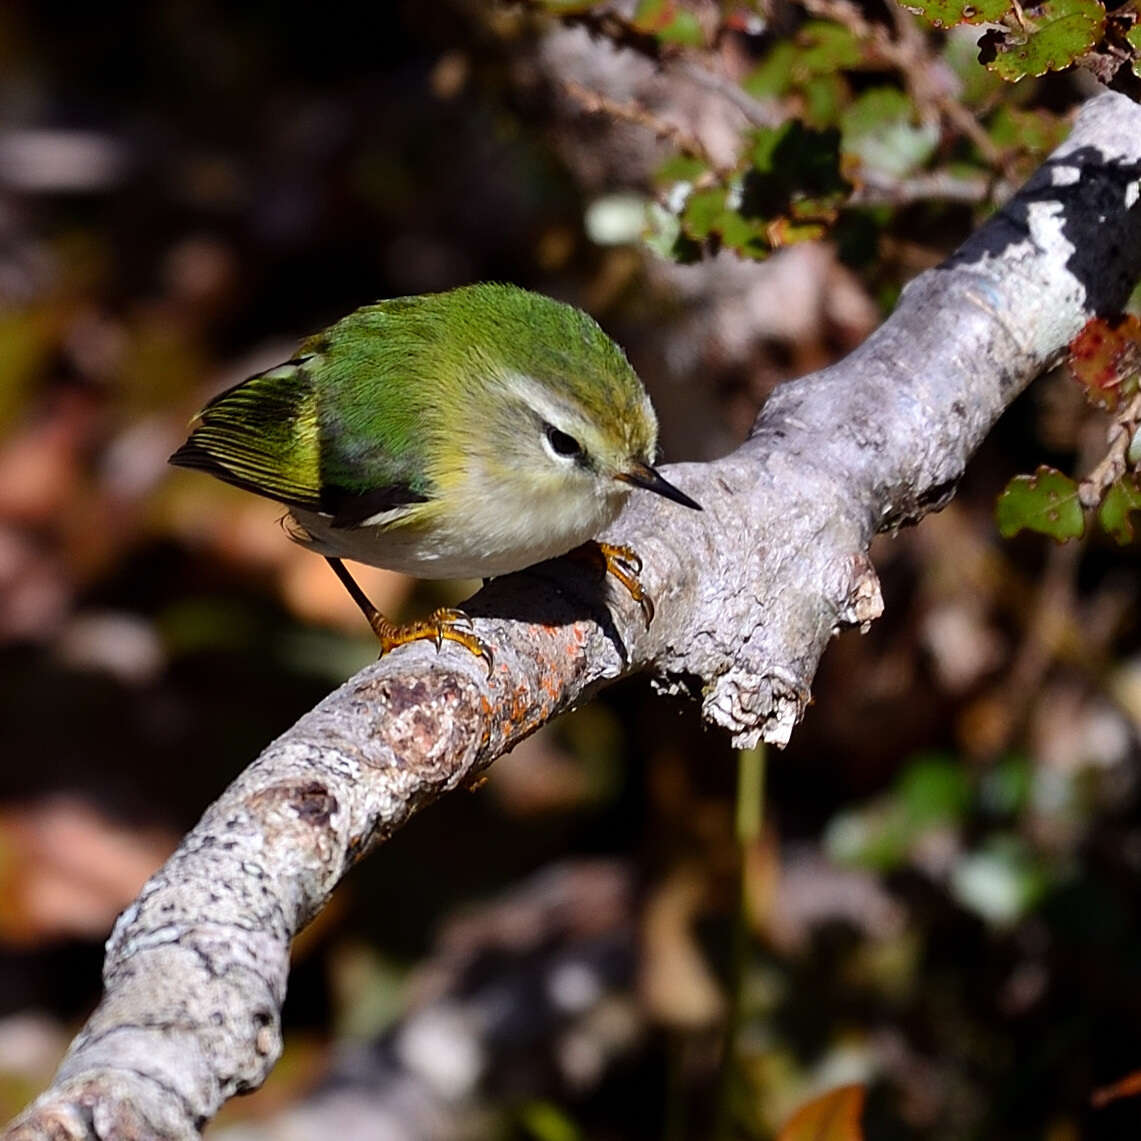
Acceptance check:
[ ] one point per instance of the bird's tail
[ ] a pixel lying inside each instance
(261, 435)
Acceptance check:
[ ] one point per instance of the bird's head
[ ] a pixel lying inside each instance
(597, 439)
(556, 415)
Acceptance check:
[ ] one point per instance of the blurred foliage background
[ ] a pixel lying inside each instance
(942, 905)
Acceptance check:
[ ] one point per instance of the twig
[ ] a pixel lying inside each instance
(607, 24)
(1114, 464)
(596, 103)
(758, 113)
(875, 189)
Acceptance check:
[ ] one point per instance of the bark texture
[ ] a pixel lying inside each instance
(748, 594)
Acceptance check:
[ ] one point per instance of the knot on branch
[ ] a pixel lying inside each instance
(755, 707)
(864, 601)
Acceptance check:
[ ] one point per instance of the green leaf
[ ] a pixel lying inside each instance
(742, 235)
(670, 22)
(1055, 34)
(810, 64)
(679, 168)
(824, 48)
(708, 214)
(879, 128)
(1037, 131)
(948, 13)
(774, 74)
(1046, 502)
(1133, 39)
(684, 28)
(545, 1121)
(1120, 501)
(934, 790)
(961, 53)
(824, 97)
(703, 212)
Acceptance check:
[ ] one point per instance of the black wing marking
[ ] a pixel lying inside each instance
(352, 508)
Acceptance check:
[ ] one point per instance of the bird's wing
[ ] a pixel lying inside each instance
(270, 435)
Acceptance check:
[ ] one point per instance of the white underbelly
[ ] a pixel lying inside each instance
(512, 541)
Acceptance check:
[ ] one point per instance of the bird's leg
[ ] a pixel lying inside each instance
(443, 625)
(622, 563)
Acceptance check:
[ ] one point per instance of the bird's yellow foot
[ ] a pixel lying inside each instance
(622, 563)
(444, 625)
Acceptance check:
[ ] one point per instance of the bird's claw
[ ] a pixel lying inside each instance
(444, 625)
(625, 564)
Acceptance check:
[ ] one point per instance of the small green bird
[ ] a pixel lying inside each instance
(453, 435)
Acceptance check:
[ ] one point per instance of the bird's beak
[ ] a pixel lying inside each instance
(642, 475)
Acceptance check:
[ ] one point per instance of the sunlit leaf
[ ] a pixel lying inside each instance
(948, 13)
(1052, 37)
(742, 235)
(1105, 357)
(834, 1116)
(1133, 39)
(708, 213)
(1120, 501)
(1046, 502)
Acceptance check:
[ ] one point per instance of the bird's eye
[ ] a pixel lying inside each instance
(561, 444)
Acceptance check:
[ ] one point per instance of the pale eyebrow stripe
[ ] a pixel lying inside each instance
(538, 396)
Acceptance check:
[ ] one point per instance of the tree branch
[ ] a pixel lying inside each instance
(748, 594)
